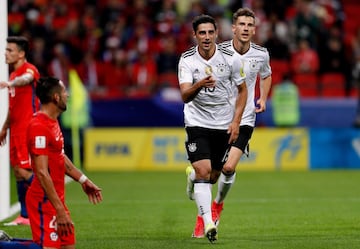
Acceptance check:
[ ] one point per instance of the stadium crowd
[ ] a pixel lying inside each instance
(130, 49)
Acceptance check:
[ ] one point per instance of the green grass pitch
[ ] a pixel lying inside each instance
(295, 210)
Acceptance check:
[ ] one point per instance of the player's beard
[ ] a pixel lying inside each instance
(61, 104)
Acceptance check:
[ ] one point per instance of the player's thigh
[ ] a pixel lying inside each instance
(19, 154)
(197, 143)
(242, 142)
(219, 148)
(42, 217)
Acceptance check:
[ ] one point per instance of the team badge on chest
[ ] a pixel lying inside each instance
(208, 70)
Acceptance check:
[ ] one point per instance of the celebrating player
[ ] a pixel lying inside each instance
(206, 75)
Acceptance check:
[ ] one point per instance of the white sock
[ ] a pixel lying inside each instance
(203, 197)
(224, 184)
(192, 175)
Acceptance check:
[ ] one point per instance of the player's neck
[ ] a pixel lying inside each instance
(241, 47)
(49, 111)
(18, 64)
(207, 54)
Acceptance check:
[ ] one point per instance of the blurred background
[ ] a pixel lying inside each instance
(125, 54)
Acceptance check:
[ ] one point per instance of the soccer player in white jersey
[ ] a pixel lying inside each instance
(256, 61)
(207, 75)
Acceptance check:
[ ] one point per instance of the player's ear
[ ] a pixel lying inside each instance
(56, 98)
(22, 53)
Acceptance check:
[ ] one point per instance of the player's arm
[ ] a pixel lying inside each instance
(63, 221)
(189, 91)
(93, 192)
(240, 104)
(21, 80)
(3, 131)
(265, 85)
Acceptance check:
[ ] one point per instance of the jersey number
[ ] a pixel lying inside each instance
(208, 89)
(52, 223)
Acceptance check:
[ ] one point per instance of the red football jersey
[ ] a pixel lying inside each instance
(23, 102)
(44, 137)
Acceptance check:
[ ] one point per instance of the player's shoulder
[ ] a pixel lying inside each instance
(30, 68)
(36, 122)
(258, 48)
(39, 117)
(226, 44)
(226, 48)
(29, 65)
(188, 53)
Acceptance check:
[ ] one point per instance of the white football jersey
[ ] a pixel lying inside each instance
(256, 61)
(212, 107)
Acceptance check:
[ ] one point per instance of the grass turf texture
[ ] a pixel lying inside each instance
(317, 209)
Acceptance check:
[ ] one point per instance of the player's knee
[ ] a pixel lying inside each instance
(228, 169)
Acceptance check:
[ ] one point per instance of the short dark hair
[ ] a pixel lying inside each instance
(21, 41)
(243, 12)
(46, 87)
(203, 19)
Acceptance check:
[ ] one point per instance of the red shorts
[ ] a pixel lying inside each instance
(42, 217)
(19, 154)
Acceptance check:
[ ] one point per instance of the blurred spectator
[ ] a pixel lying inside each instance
(304, 59)
(261, 18)
(141, 38)
(40, 55)
(90, 71)
(278, 7)
(88, 31)
(277, 38)
(60, 64)
(306, 24)
(34, 24)
(116, 75)
(143, 75)
(168, 58)
(167, 62)
(329, 11)
(332, 55)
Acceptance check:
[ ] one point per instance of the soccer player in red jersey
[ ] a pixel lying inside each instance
(22, 104)
(50, 220)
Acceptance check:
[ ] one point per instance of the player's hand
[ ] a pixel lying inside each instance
(3, 134)
(64, 224)
(4, 84)
(260, 106)
(233, 130)
(93, 192)
(209, 82)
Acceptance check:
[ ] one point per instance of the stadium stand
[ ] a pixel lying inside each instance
(106, 27)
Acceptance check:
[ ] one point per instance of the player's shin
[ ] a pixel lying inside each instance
(224, 184)
(202, 196)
